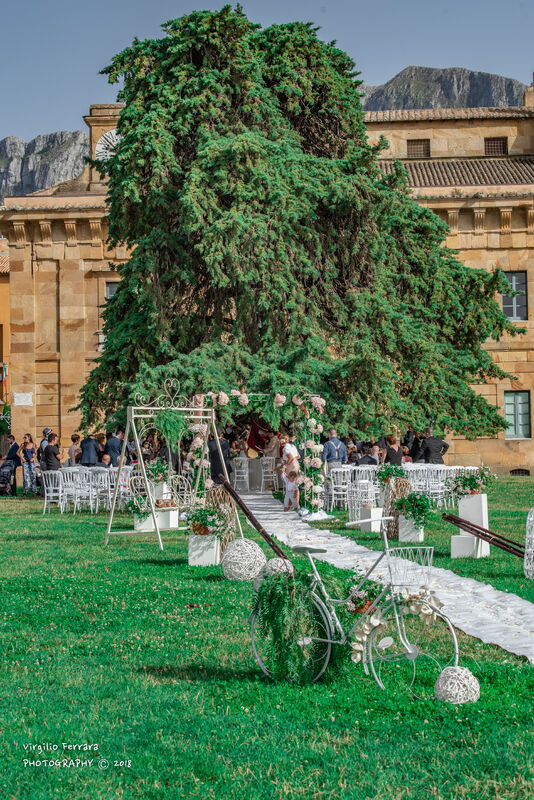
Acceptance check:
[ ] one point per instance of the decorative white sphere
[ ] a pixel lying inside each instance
(243, 560)
(457, 685)
(277, 565)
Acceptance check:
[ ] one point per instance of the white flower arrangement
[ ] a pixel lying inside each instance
(318, 402)
(317, 502)
(419, 602)
(316, 463)
(317, 488)
(312, 423)
(279, 400)
(317, 449)
(223, 399)
(243, 399)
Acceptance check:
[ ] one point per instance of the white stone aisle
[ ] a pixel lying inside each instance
(495, 617)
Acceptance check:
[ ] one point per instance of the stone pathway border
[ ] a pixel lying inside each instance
(494, 617)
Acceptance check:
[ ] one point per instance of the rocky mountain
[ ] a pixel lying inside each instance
(455, 87)
(26, 167)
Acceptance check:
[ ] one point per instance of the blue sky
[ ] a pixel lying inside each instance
(52, 50)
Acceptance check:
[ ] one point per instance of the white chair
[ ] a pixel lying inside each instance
(240, 466)
(338, 479)
(100, 481)
(360, 493)
(53, 489)
(269, 476)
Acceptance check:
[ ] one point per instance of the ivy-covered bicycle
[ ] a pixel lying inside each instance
(400, 634)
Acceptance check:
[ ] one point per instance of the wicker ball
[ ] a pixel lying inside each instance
(243, 560)
(276, 565)
(457, 685)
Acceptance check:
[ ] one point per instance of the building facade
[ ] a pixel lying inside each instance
(473, 167)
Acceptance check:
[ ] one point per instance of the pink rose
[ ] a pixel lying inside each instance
(279, 399)
(196, 462)
(318, 402)
(196, 443)
(209, 483)
(203, 428)
(300, 479)
(235, 393)
(309, 443)
(319, 429)
(205, 462)
(223, 399)
(307, 461)
(316, 463)
(297, 400)
(243, 399)
(308, 483)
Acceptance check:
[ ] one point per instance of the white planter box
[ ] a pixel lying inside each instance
(372, 517)
(474, 508)
(204, 551)
(408, 532)
(167, 520)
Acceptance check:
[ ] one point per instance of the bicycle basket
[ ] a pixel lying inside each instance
(410, 566)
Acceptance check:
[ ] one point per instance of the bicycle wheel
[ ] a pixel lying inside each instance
(308, 628)
(431, 646)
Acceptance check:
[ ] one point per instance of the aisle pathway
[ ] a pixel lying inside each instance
(495, 617)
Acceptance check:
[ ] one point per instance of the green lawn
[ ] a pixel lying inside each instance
(131, 649)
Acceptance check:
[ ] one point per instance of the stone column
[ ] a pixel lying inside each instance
(22, 310)
(71, 331)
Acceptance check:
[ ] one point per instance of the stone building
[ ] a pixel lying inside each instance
(474, 167)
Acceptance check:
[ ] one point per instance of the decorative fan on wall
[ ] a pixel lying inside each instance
(106, 145)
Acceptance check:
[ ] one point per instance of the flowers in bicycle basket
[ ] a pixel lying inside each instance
(388, 471)
(472, 482)
(417, 507)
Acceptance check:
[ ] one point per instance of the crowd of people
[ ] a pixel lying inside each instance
(90, 451)
(104, 450)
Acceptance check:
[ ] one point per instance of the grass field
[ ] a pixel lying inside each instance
(133, 650)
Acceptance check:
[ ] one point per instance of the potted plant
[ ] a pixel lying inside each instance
(210, 526)
(414, 511)
(388, 471)
(157, 473)
(471, 482)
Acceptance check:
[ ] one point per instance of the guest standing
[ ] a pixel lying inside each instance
(90, 452)
(13, 455)
(114, 447)
(74, 450)
(28, 453)
(216, 467)
(52, 453)
(290, 456)
(334, 451)
(393, 451)
(433, 447)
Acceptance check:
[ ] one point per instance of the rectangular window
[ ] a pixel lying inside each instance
(516, 307)
(517, 413)
(496, 146)
(418, 148)
(111, 288)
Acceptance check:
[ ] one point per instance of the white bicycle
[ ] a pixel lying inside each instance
(403, 639)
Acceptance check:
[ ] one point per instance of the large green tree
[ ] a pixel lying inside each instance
(269, 249)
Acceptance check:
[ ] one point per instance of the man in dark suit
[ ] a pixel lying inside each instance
(216, 467)
(114, 447)
(433, 448)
